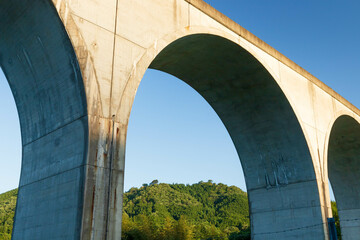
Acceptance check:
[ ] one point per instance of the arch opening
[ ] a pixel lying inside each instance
(344, 173)
(175, 137)
(174, 128)
(10, 148)
(335, 215)
(263, 127)
(10, 139)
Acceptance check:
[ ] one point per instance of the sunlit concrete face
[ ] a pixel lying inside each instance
(42, 70)
(344, 173)
(74, 68)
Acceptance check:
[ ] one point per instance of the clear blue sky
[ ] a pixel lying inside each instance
(174, 135)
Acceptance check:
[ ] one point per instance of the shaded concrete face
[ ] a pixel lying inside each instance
(344, 173)
(42, 70)
(277, 165)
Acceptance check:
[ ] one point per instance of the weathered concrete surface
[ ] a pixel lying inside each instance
(74, 68)
(42, 69)
(344, 173)
(273, 151)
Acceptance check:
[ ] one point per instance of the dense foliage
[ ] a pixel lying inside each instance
(176, 211)
(336, 217)
(7, 210)
(172, 211)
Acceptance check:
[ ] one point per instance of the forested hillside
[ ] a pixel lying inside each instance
(176, 211)
(171, 211)
(7, 210)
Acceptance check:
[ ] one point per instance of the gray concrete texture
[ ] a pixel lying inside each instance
(42, 69)
(344, 173)
(74, 68)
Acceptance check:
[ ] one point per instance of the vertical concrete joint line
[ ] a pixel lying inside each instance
(280, 77)
(111, 151)
(113, 56)
(189, 14)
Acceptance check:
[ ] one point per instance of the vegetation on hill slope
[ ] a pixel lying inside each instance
(176, 211)
(7, 211)
(172, 211)
(336, 218)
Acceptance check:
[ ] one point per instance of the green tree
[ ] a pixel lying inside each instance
(336, 218)
(170, 212)
(183, 230)
(7, 211)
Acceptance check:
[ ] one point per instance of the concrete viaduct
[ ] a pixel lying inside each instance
(74, 67)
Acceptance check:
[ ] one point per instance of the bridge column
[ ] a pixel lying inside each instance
(106, 61)
(104, 180)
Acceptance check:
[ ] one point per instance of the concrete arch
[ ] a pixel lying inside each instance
(344, 172)
(259, 118)
(74, 67)
(330, 126)
(41, 67)
(141, 64)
